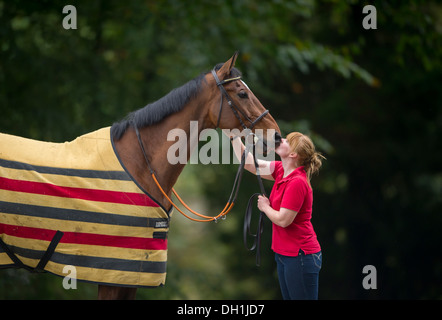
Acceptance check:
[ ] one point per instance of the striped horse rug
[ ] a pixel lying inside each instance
(74, 204)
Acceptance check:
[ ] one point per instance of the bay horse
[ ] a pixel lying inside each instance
(217, 99)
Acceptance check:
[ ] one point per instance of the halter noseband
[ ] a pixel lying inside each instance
(232, 105)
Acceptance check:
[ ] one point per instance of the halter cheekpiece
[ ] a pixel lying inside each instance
(232, 105)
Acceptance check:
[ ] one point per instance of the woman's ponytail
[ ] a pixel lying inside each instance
(313, 164)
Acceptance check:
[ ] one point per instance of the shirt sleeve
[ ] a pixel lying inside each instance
(275, 168)
(294, 195)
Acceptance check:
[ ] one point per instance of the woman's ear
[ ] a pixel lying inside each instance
(293, 155)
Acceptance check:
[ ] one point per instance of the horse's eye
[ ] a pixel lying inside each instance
(243, 95)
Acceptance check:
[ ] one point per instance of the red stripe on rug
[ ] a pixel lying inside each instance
(85, 238)
(49, 189)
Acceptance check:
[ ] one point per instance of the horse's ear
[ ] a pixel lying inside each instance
(224, 71)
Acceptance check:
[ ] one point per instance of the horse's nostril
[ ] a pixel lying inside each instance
(277, 138)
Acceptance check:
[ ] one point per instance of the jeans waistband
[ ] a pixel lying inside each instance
(302, 253)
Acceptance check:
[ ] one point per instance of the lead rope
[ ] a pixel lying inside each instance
(229, 205)
(248, 217)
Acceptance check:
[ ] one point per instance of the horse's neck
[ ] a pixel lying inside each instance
(156, 138)
(156, 145)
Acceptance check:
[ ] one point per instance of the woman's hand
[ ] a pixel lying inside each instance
(263, 203)
(282, 218)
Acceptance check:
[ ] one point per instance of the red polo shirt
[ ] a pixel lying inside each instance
(293, 192)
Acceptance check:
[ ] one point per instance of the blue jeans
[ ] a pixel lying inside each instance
(299, 276)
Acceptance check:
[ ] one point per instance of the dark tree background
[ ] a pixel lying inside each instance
(370, 99)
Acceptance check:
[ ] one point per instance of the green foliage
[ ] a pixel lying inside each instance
(370, 99)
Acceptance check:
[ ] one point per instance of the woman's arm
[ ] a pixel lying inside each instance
(264, 166)
(282, 218)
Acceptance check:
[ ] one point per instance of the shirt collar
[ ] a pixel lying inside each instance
(299, 171)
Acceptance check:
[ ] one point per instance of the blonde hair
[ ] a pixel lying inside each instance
(307, 155)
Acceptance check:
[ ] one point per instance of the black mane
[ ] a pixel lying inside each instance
(172, 102)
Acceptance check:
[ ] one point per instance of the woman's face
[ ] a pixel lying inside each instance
(283, 150)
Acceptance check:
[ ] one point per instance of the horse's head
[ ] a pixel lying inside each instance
(236, 107)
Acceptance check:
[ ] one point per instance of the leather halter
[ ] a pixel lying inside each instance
(232, 105)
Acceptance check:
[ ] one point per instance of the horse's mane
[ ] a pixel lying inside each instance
(172, 102)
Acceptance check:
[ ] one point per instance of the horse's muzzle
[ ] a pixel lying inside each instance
(277, 138)
(268, 147)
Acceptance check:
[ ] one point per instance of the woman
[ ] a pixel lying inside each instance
(297, 251)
